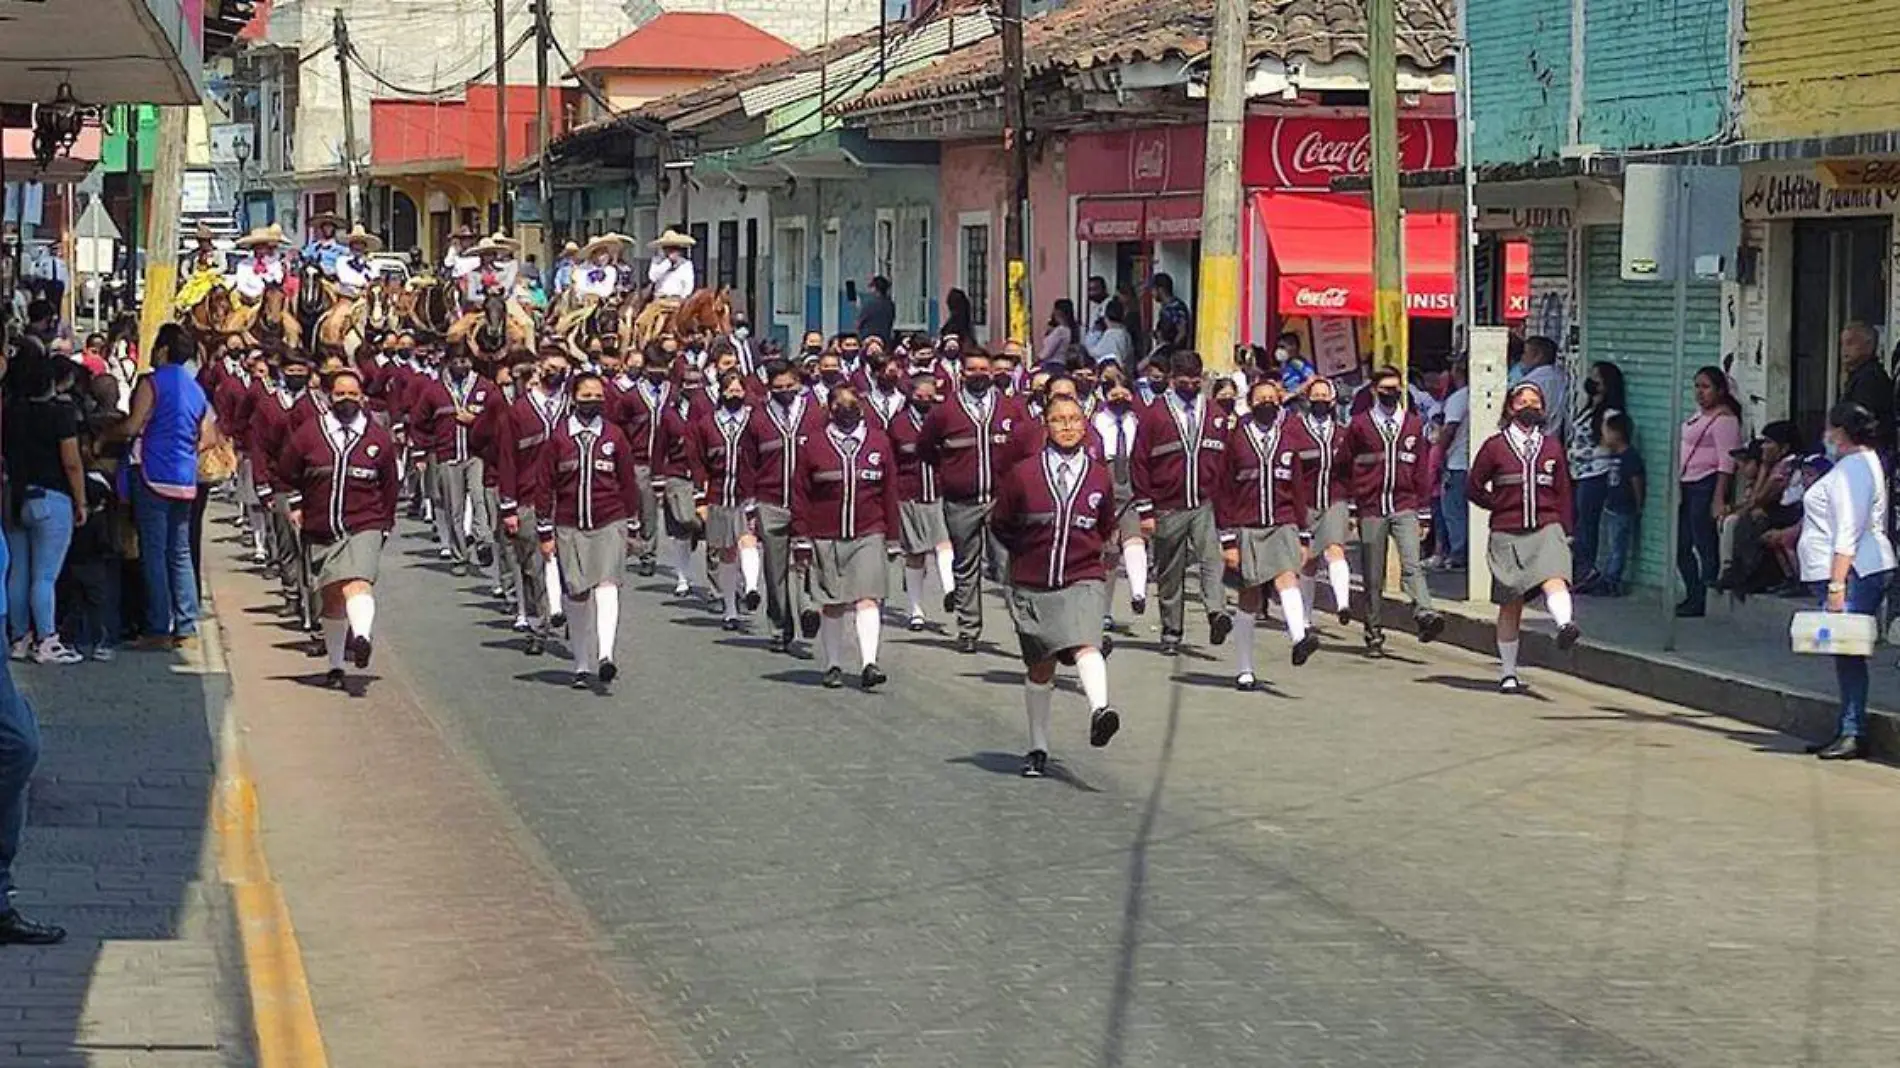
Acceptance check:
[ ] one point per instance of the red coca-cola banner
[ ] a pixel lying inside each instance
(1294, 152)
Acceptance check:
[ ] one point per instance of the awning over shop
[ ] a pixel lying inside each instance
(1320, 250)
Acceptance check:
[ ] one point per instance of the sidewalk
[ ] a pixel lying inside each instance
(1734, 662)
(119, 850)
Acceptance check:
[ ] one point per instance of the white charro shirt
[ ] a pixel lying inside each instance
(256, 272)
(672, 281)
(595, 280)
(354, 276)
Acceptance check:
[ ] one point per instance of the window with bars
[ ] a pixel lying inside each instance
(976, 271)
(728, 265)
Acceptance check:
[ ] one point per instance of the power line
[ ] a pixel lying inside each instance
(460, 85)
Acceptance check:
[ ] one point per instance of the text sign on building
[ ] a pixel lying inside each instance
(1860, 173)
(1296, 152)
(1799, 193)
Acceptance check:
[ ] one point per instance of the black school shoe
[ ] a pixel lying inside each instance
(834, 678)
(1430, 626)
(17, 930)
(1103, 723)
(333, 679)
(1219, 626)
(808, 622)
(609, 671)
(873, 677)
(360, 650)
(1304, 649)
(1035, 764)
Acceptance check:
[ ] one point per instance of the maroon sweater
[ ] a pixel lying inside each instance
(1171, 473)
(1324, 466)
(1054, 544)
(972, 448)
(589, 486)
(639, 416)
(916, 478)
(669, 458)
(342, 491)
(232, 402)
(522, 431)
(1389, 472)
(772, 444)
(1523, 490)
(1260, 483)
(432, 415)
(839, 494)
(717, 458)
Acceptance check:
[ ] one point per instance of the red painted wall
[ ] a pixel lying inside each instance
(410, 131)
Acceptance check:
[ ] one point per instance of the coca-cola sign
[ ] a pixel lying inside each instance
(1333, 299)
(1284, 152)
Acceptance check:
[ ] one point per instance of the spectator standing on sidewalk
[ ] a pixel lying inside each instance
(1622, 503)
(1541, 370)
(1709, 439)
(1844, 551)
(1456, 435)
(1864, 381)
(1590, 463)
(46, 485)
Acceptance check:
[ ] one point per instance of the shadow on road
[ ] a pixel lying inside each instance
(1122, 999)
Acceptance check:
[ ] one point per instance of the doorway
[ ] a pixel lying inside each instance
(1840, 276)
(832, 283)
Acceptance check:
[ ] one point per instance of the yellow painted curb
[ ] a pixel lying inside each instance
(282, 1016)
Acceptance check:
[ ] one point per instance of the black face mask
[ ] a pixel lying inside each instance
(588, 410)
(1321, 408)
(1002, 379)
(347, 410)
(1388, 398)
(831, 378)
(1226, 404)
(1528, 418)
(1119, 405)
(976, 386)
(1187, 393)
(656, 377)
(812, 350)
(921, 404)
(733, 404)
(785, 397)
(459, 373)
(296, 383)
(847, 417)
(1265, 414)
(553, 380)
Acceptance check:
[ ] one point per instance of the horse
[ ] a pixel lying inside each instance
(268, 324)
(706, 311)
(613, 317)
(434, 305)
(313, 299)
(491, 332)
(210, 319)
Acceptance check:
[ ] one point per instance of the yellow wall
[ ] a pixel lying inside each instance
(627, 91)
(1820, 67)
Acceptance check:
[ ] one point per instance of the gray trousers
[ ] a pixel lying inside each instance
(647, 545)
(783, 593)
(1184, 539)
(971, 542)
(504, 572)
(1375, 533)
(458, 485)
(524, 569)
(293, 564)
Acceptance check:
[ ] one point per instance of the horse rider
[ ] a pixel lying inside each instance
(495, 272)
(460, 259)
(263, 267)
(355, 274)
(596, 279)
(671, 274)
(206, 271)
(323, 247)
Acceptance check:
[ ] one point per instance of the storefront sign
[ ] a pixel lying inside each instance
(1860, 173)
(1173, 219)
(1295, 152)
(1107, 221)
(1801, 194)
(1157, 159)
(1335, 345)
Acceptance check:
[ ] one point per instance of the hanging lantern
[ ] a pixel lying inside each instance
(58, 123)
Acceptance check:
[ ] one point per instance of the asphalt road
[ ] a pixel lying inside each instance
(1372, 863)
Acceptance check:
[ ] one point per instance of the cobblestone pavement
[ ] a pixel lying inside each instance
(118, 849)
(1370, 864)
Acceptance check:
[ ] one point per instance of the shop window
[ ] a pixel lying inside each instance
(974, 256)
(701, 239)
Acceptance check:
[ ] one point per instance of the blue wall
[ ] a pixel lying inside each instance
(855, 205)
(1520, 78)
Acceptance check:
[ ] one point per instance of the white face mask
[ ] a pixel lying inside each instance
(741, 332)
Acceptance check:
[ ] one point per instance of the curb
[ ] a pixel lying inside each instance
(283, 1018)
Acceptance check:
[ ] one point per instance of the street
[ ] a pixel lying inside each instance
(1377, 863)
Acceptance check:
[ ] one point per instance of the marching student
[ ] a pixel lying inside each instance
(724, 479)
(1055, 512)
(1117, 423)
(682, 501)
(522, 434)
(1390, 484)
(1325, 473)
(1175, 468)
(442, 410)
(773, 441)
(343, 475)
(272, 426)
(638, 413)
(844, 512)
(1522, 477)
(922, 531)
(1261, 508)
(589, 486)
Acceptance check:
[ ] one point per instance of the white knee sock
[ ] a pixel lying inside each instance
(1243, 642)
(749, 566)
(914, 578)
(729, 587)
(682, 560)
(551, 574)
(947, 567)
(1340, 577)
(580, 633)
(1558, 602)
(606, 618)
(1507, 658)
(1135, 562)
(360, 610)
(441, 520)
(1037, 697)
(335, 633)
(1294, 606)
(870, 623)
(1093, 671)
(830, 638)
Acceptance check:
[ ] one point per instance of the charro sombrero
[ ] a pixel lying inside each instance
(672, 239)
(360, 236)
(263, 235)
(614, 243)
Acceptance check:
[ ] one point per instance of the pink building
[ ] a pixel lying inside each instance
(973, 203)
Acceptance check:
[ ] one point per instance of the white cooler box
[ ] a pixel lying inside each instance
(1832, 633)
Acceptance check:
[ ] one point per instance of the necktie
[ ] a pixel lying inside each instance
(849, 445)
(1065, 478)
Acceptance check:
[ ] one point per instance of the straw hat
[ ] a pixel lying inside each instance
(570, 248)
(310, 225)
(614, 243)
(263, 235)
(498, 242)
(360, 236)
(672, 239)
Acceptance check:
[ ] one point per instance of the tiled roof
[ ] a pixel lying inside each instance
(689, 41)
(1093, 33)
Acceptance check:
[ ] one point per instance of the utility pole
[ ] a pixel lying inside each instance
(341, 40)
(542, 133)
(503, 216)
(135, 181)
(1388, 258)
(1016, 143)
(161, 258)
(1216, 331)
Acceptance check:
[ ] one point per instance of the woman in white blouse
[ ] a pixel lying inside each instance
(1844, 548)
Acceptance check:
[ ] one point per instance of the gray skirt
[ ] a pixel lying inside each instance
(1333, 526)
(724, 526)
(1267, 553)
(844, 572)
(1050, 623)
(590, 558)
(923, 526)
(351, 558)
(682, 513)
(1521, 562)
(1127, 519)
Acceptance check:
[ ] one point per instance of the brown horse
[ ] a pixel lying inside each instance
(210, 320)
(612, 317)
(491, 332)
(270, 325)
(434, 305)
(707, 311)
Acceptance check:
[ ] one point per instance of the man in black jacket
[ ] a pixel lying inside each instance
(1866, 382)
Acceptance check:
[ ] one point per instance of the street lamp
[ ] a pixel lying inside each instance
(57, 125)
(241, 148)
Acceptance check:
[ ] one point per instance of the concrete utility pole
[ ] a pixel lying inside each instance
(161, 258)
(341, 39)
(1388, 257)
(1218, 319)
(135, 182)
(543, 134)
(1016, 143)
(503, 215)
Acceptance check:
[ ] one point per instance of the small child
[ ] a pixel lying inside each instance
(93, 565)
(1624, 505)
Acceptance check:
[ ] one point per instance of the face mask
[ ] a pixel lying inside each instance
(831, 378)
(976, 386)
(1528, 417)
(1083, 388)
(1832, 449)
(1118, 405)
(813, 350)
(296, 383)
(741, 331)
(1187, 393)
(785, 397)
(458, 373)
(1265, 414)
(656, 376)
(1388, 399)
(921, 404)
(588, 410)
(733, 404)
(1001, 379)
(1322, 408)
(553, 380)
(847, 418)
(347, 410)
(1226, 404)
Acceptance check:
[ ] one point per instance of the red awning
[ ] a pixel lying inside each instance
(1099, 221)
(1321, 250)
(1517, 281)
(1173, 219)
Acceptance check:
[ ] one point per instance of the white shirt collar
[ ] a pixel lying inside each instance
(575, 426)
(856, 433)
(335, 428)
(1522, 439)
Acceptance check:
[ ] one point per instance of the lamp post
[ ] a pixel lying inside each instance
(241, 147)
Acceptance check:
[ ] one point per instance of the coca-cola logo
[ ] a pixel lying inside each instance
(1148, 162)
(1333, 298)
(1311, 152)
(1317, 153)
